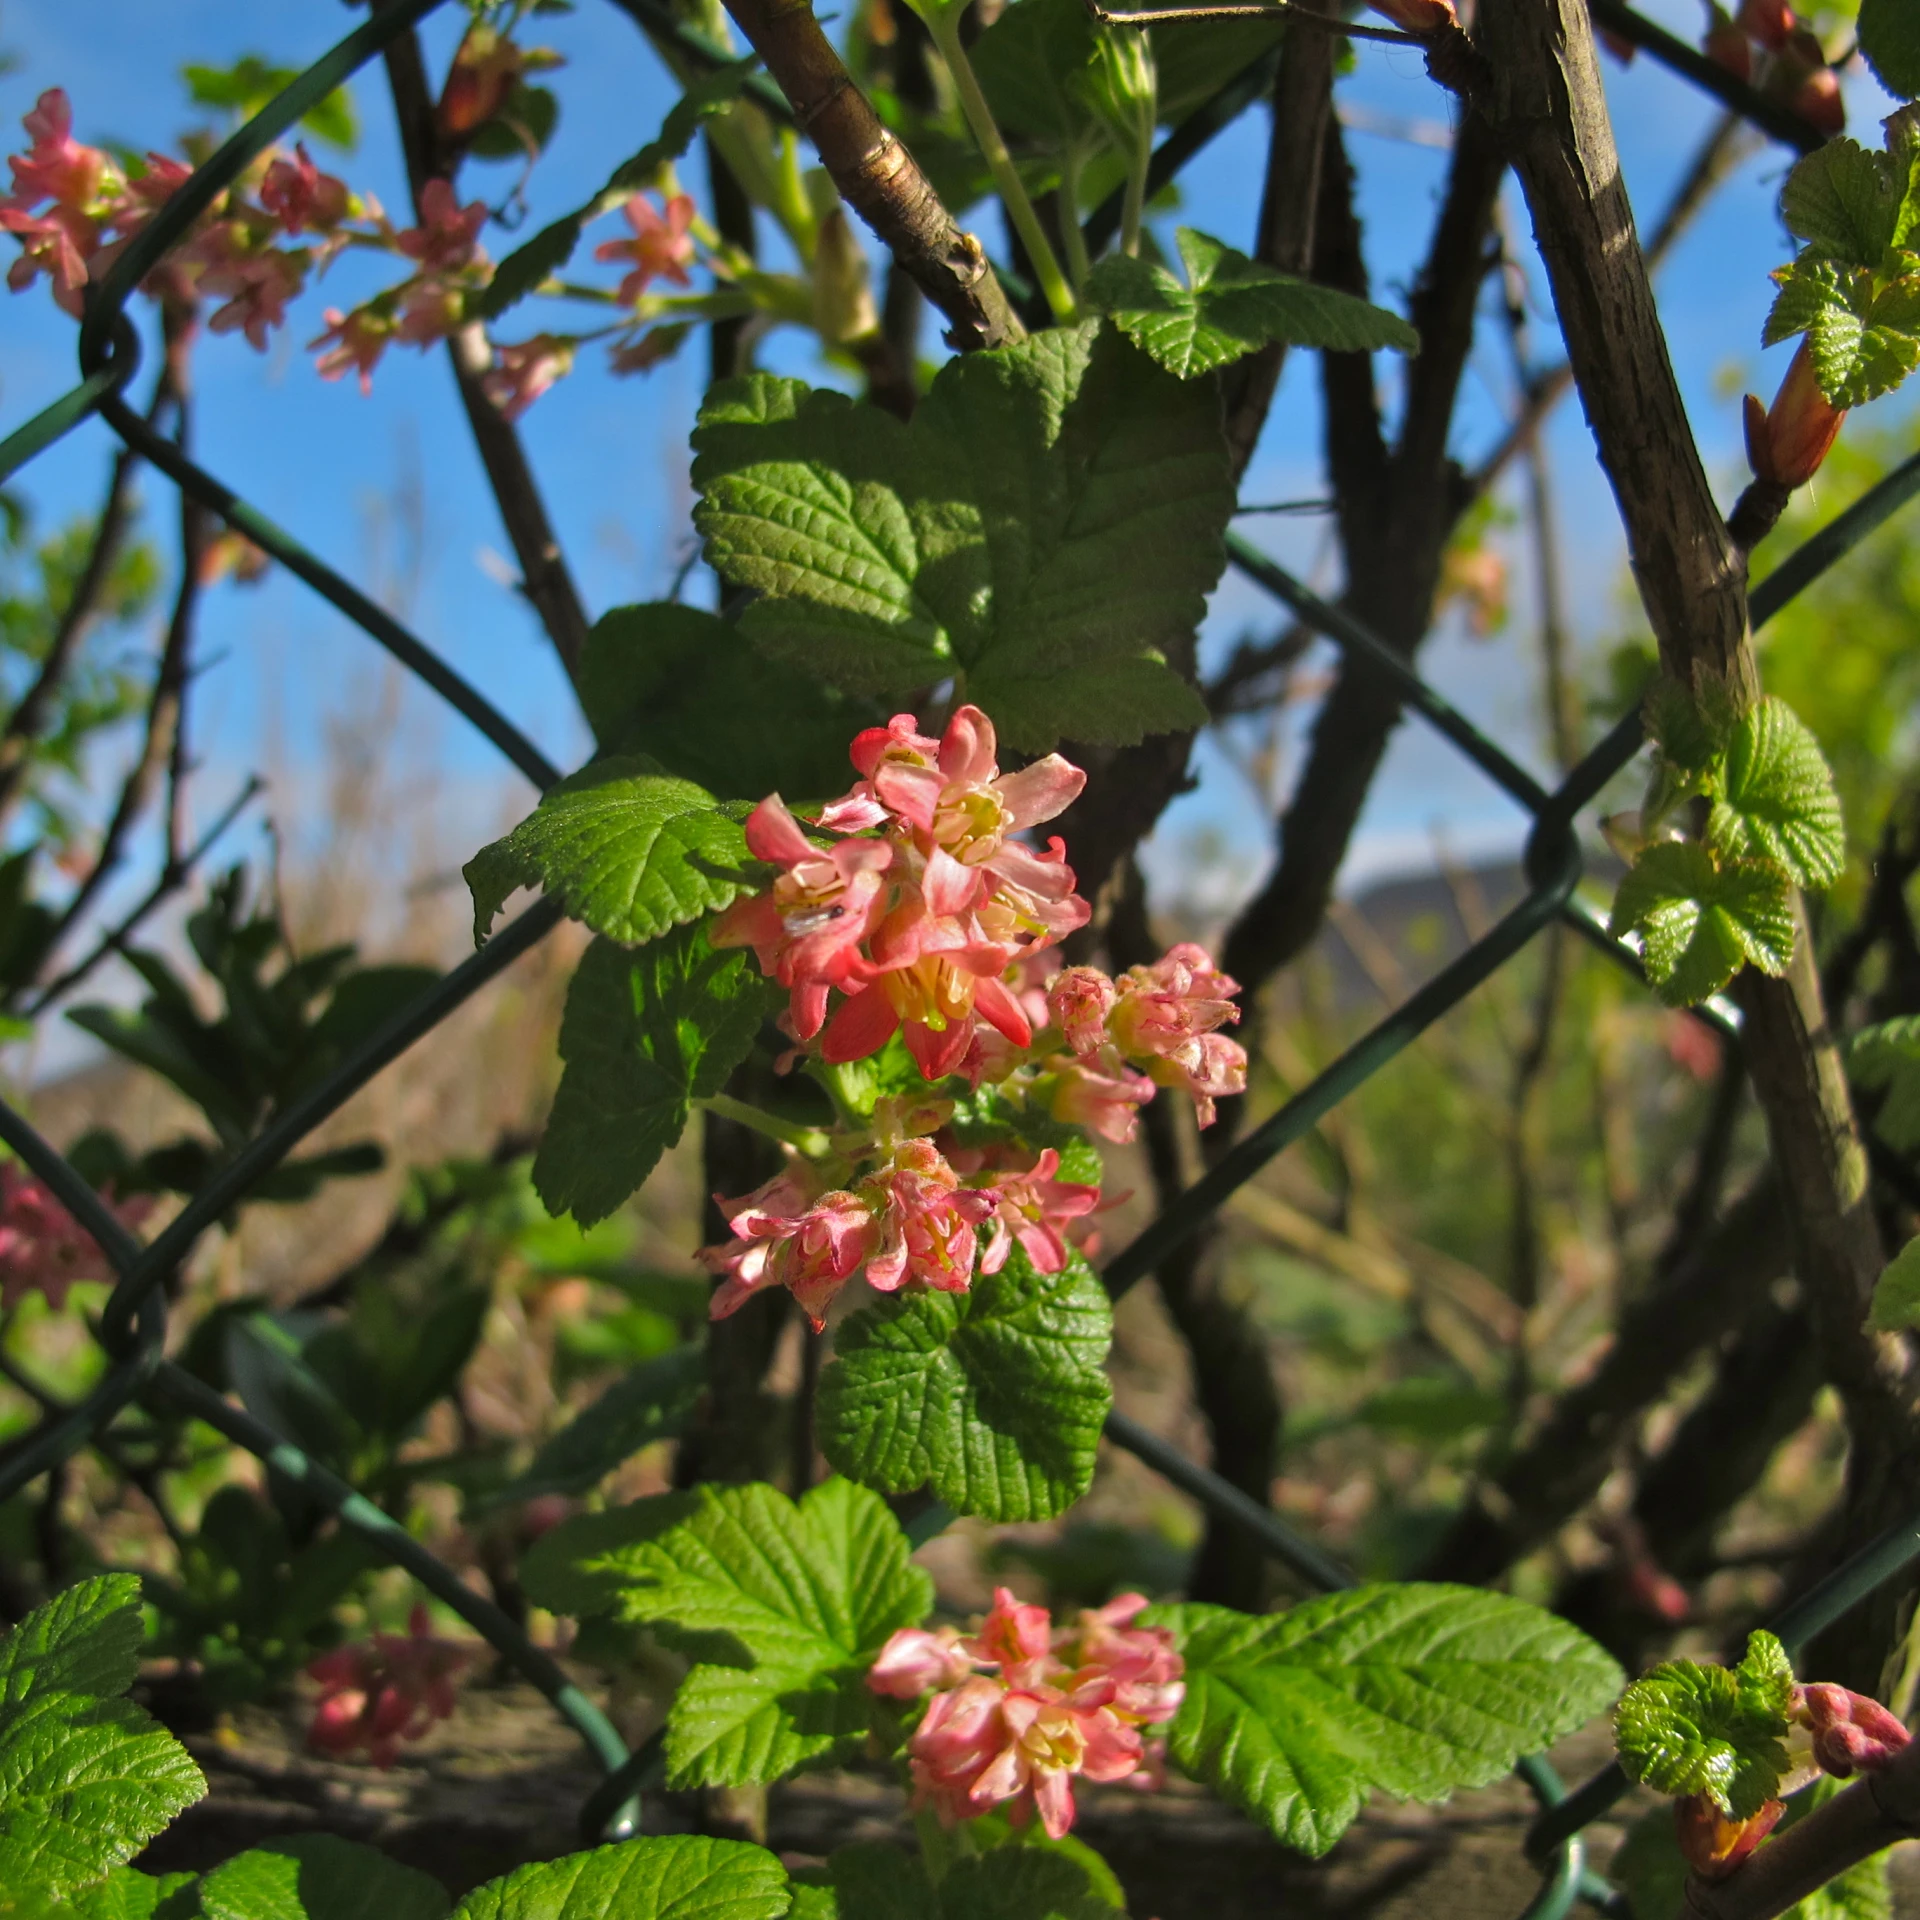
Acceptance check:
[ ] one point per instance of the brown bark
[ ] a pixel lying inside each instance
(876, 174)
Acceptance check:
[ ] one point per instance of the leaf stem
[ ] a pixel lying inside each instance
(808, 1140)
(944, 24)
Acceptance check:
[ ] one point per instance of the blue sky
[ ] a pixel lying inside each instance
(612, 454)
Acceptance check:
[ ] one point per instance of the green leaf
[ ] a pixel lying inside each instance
(1896, 1294)
(521, 128)
(645, 1034)
(784, 1608)
(873, 1881)
(1690, 727)
(1850, 204)
(1890, 38)
(1702, 922)
(126, 1894)
(1411, 1690)
(624, 846)
(1856, 360)
(246, 86)
(1050, 524)
(648, 1404)
(1021, 1883)
(1777, 801)
(86, 1778)
(552, 247)
(1809, 288)
(680, 1877)
(1888, 1056)
(317, 1876)
(995, 1398)
(688, 688)
(1230, 306)
(1685, 1729)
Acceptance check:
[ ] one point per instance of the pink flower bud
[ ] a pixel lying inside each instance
(915, 1661)
(1078, 1003)
(1787, 442)
(1851, 1733)
(1713, 1843)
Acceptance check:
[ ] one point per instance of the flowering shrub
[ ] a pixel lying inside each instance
(43, 1249)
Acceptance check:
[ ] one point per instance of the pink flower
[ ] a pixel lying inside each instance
(661, 247)
(58, 244)
(1165, 1016)
(788, 1236)
(1143, 1663)
(358, 339)
(1078, 1002)
(1035, 1208)
(444, 241)
(1103, 1093)
(377, 1694)
(57, 167)
(258, 282)
(300, 197)
(933, 996)
(1851, 1734)
(43, 1248)
(430, 310)
(915, 1661)
(928, 1222)
(521, 374)
(1017, 1637)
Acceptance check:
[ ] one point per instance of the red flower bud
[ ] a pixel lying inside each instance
(1726, 45)
(483, 74)
(1819, 102)
(1767, 21)
(1787, 442)
(1417, 16)
(1713, 1843)
(1851, 1734)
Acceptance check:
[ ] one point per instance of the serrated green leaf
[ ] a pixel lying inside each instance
(678, 1877)
(1703, 922)
(1890, 38)
(1408, 1690)
(318, 1876)
(1808, 289)
(552, 247)
(1690, 727)
(1050, 523)
(126, 1894)
(783, 1607)
(1888, 1056)
(1777, 800)
(1896, 1294)
(1021, 1883)
(1856, 361)
(1685, 1729)
(645, 1034)
(688, 688)
(873, 1881)
(86, 1778)
(1849, 203)
(624, 846)
(1231, 305)
(994, 1398)
(649, 1403)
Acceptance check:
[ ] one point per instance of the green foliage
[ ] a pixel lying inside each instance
(86, 1777)
(681, 1877)
(316, 1876)
(128, 1895)
(994, 1398)
(285, 1022)
(521, 129)
(1703, 922)
(552, 247)
(1890, 38)
(1019, 1877)
(1048, 526)
(1022, 1883)
(624, 846)
(1887, 1057)
(1409, 1690)
(650, 1403)
(1776, 800)
(1896, 1294)
(1854, 289)
(782, 1607)
(245, 87)
(1685, 1729)
(645, 1034)
(1229, 306)
(688, 688)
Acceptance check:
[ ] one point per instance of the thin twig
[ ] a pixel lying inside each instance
(1330, 23)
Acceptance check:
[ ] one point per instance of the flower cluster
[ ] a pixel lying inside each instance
(378, 1693)
(73, 208)
(1022, 1706)
(1766, 44)
(43, 1248)
(914, 909)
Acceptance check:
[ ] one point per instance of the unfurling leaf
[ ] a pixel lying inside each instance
(1703, 922)
(86, 1777)
(1850, 204)
(1720, 1731)
(993, 1398)
(624, 846)
(645, 1034)
(782, 1606)
(1230, 306)
(680, 1876)
(1408, 1690)
(1776, 800)
(1049, 525)
(1888, 1056)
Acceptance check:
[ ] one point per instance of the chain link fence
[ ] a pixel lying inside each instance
(133, 1325)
